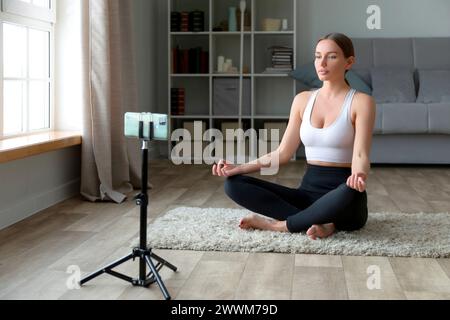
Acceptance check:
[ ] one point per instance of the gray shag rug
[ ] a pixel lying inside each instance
(385, 234)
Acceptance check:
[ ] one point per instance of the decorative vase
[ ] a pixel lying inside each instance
(232, 24)
(284, 25)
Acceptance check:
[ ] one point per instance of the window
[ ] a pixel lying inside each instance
(26, 65)
(36, 9)
(39, 3)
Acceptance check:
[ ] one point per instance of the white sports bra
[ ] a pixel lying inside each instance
(333, 143)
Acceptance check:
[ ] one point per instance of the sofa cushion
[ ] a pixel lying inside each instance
(357, 83)
(405, 118)
(364, 74)
(439, 118)
(393, 85)
(432, 53)
(393, 52)
(434, 86)
(307, 74)
(378, 127)
(363, 53)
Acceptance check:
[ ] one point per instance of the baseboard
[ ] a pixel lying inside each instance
(31, 206)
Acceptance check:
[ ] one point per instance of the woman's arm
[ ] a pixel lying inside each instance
(365, 108)
(288, 146)
(289, 143)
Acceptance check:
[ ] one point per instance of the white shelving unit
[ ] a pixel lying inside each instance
(271, 95)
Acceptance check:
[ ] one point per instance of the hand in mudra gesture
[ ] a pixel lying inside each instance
(224, 169)
(357, 181)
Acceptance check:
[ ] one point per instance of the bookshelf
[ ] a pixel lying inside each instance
(267, 97)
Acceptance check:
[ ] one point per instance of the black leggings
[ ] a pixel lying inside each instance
(322, 197)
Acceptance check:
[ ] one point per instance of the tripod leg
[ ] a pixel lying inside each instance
(163, 262)
(106, 268)
(158, 278)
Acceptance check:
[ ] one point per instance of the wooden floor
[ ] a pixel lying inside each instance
(36, 253)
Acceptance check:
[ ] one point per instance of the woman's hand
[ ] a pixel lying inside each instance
(224, 169)
(357, 181)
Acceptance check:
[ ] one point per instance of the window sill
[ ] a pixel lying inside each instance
(34, 144)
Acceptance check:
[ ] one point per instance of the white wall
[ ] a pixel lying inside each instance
(32, 184)
(399, 18)
(68, 80)
(145, 50)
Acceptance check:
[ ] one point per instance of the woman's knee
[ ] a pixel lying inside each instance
(356, 211)
(352, 195)
(346, 188)
(233, 186)
(354, 225)
(291, 226)
(355, 221)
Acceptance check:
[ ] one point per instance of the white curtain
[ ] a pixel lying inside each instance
(104, 85)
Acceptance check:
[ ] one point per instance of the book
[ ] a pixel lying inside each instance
(196, 21)
(175, 59)
(177, 101)
(184, 21)
(175, 21)
(277, 70)
(204, 62)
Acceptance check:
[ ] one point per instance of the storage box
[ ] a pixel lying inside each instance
(232, 125)
(189, 150)
(269, 126)
(231, 152)
(189, 125)
(226, 97)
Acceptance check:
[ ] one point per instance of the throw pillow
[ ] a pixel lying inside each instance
(393, 84)
(434, 86)
(357, 83)
(308, 75)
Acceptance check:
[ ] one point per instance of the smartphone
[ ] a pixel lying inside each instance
(160, 125)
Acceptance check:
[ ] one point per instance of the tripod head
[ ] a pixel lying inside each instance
(150, 132)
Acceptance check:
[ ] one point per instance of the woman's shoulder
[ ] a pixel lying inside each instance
(363, 104)
(301, 100)
(363, 98)
(304, 96)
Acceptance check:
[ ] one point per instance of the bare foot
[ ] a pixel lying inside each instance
(320, 231)
(254, 221)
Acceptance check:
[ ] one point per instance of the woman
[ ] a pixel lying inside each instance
(335, 124)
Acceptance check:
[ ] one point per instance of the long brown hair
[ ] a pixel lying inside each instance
(344, 42)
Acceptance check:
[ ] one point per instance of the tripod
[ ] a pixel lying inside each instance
(142, 252)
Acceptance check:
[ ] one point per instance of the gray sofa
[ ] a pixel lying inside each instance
(412, 132)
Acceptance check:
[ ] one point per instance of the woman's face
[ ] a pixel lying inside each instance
(330, 62)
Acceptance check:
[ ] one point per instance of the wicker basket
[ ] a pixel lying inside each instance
(271, 24)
